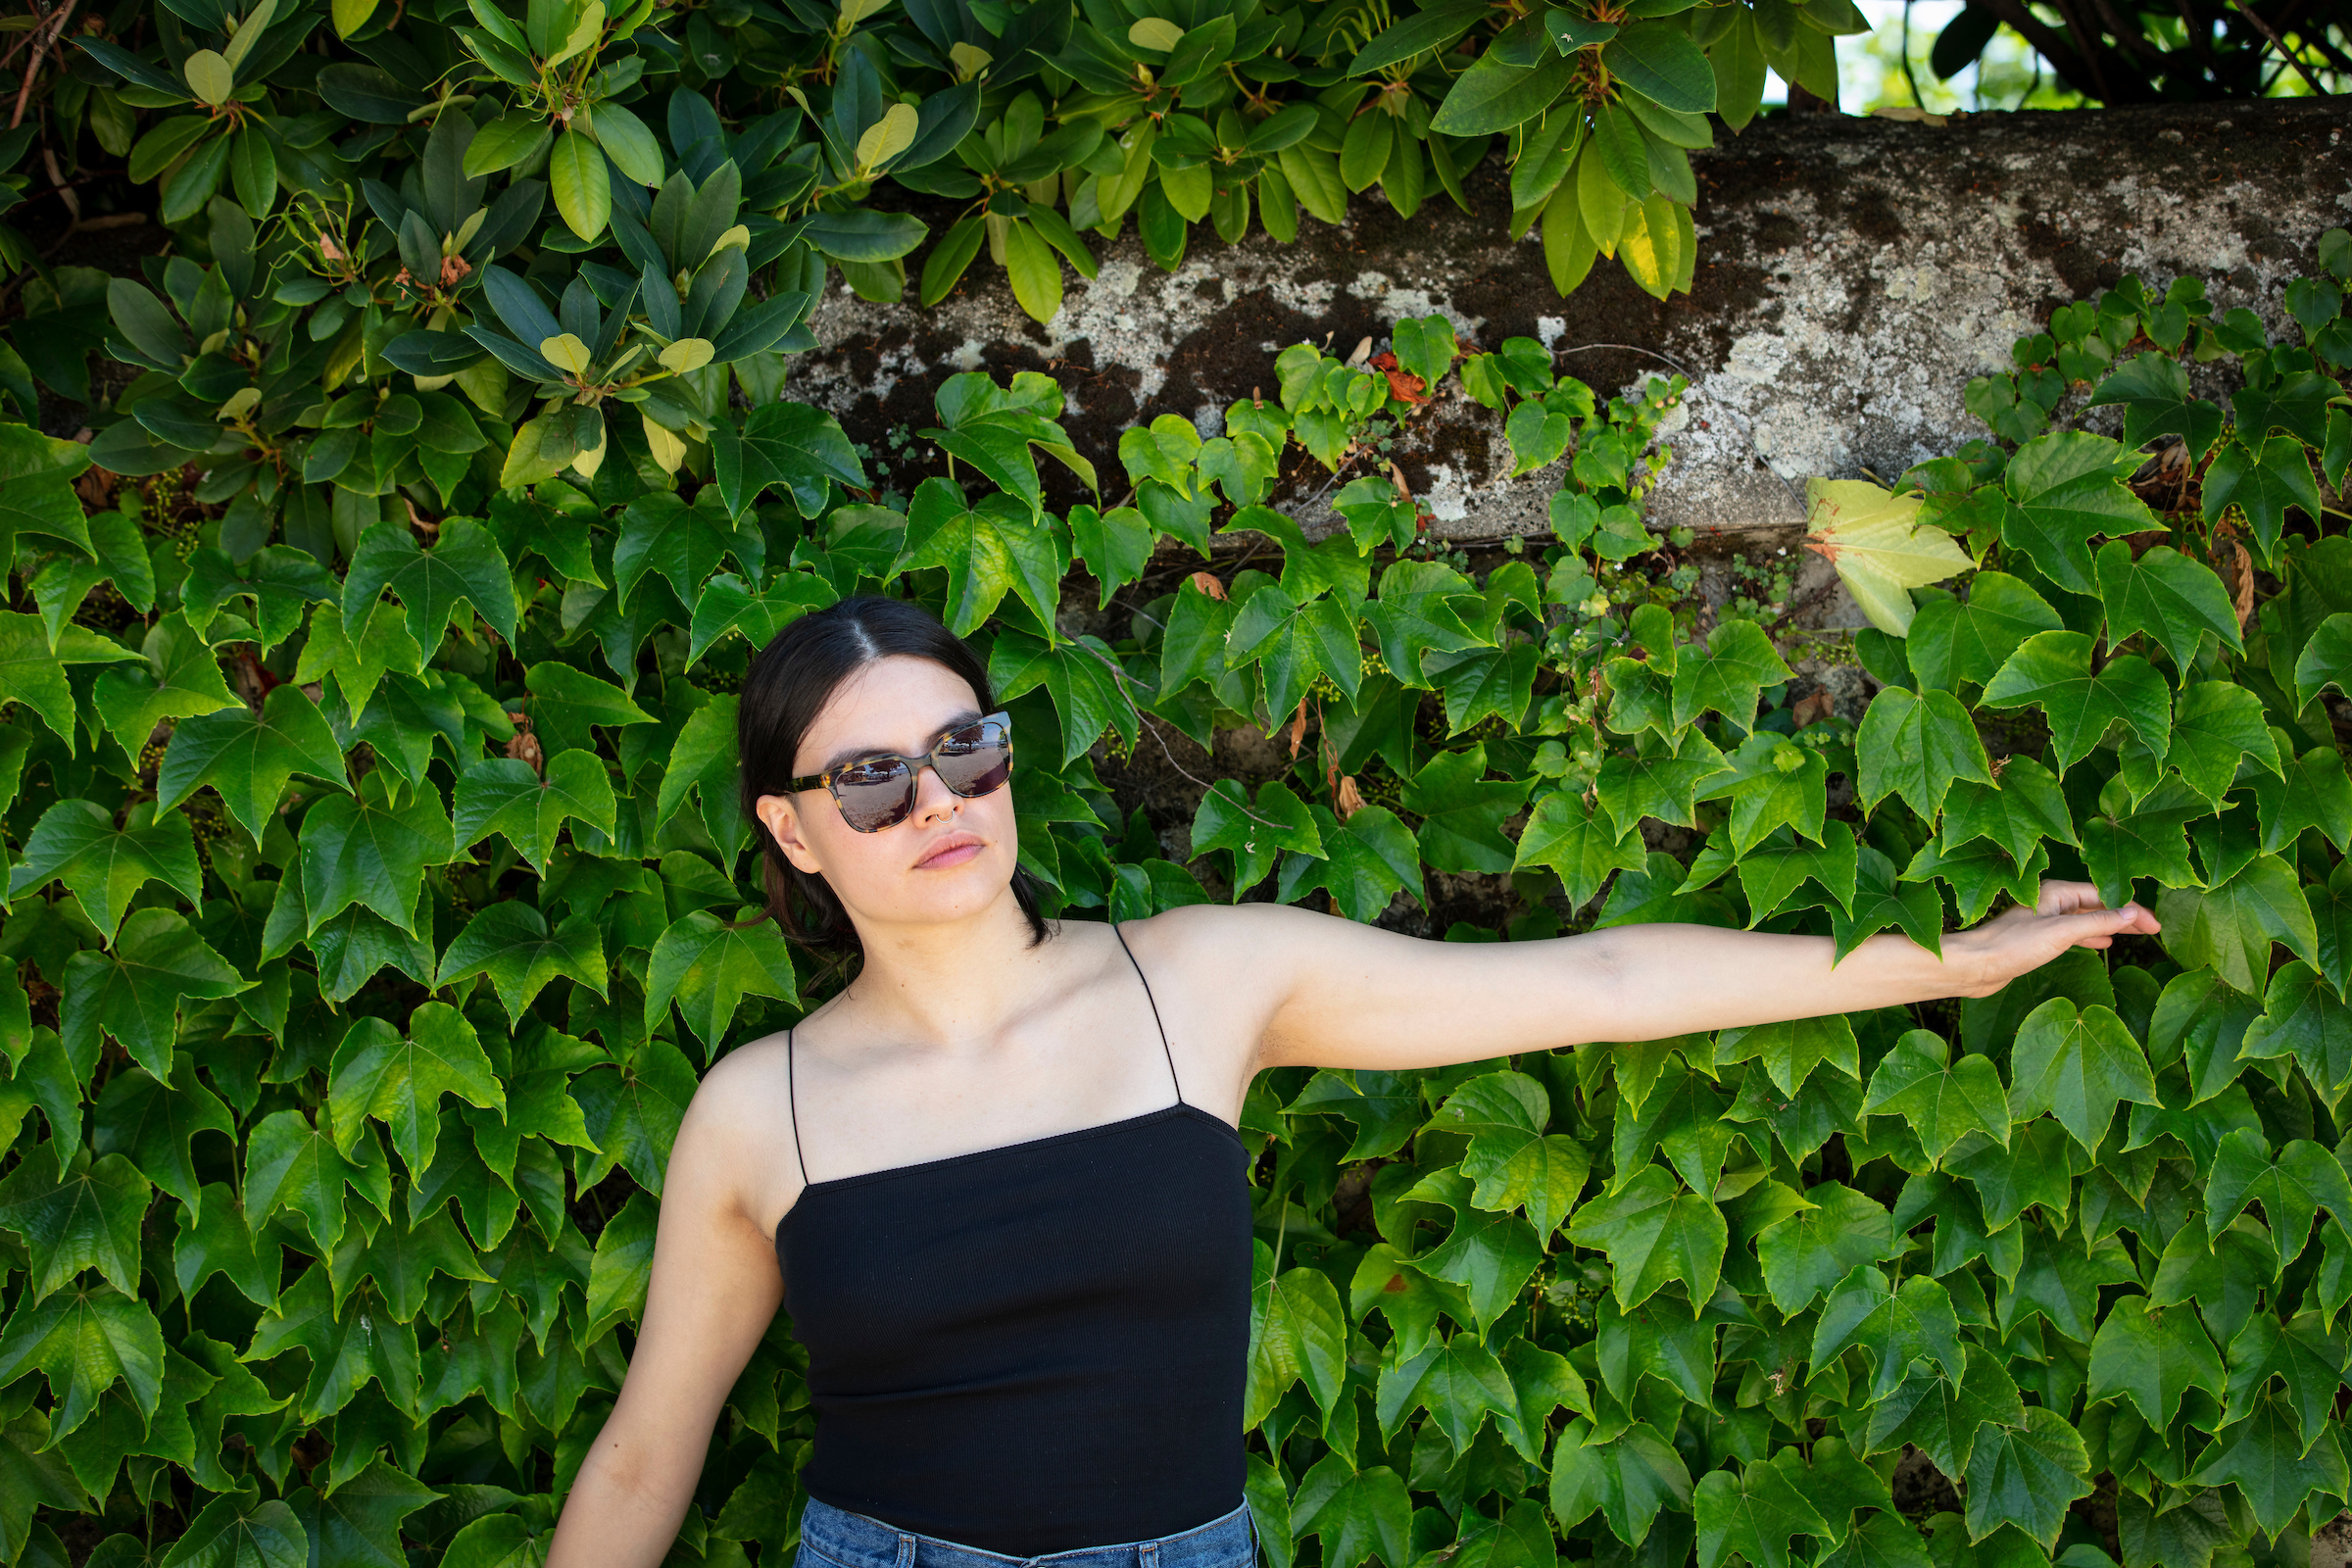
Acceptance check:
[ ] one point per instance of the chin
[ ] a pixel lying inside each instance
(956, 891)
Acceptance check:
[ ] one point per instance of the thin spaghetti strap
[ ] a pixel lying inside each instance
(1148, 996)
(792, 1101)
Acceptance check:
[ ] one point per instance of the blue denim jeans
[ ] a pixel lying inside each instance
(835, 1537)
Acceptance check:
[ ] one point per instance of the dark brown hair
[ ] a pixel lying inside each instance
(787, 686)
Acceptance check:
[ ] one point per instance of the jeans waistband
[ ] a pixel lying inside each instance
(858, 1541)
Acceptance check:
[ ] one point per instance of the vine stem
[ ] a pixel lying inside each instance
(1746, 433)
(50, 30)
(1112, 665)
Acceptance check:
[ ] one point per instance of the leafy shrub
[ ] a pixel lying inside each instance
(369, 871)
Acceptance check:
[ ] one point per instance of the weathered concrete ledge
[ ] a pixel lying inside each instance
(1855, 273)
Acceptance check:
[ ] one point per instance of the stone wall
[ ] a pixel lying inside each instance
(1855, 273)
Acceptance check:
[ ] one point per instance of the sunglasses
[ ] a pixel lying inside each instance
(877, 792)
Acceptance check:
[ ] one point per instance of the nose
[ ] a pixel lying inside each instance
(933, 799)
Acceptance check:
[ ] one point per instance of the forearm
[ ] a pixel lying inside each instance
(626, 1503)
(1653, 981)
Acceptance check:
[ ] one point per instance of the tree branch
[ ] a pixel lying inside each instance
(2292, 57)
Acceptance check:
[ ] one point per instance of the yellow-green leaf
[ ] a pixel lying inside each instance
(1879, 548)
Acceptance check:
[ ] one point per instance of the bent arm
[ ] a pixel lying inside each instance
(1355, 995)
(714, 1290)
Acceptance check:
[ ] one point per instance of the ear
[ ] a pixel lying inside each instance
(782, 820)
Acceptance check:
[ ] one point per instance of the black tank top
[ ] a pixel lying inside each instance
(1033, 1347)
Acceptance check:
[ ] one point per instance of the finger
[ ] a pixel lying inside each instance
(2096, 928)
(2067, 897)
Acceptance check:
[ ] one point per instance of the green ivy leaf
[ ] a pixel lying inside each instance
(1513, 1161)
(1810, 1251)
(2325, 660)
(1491, 1256)
(1943, 1419)
(1580, 844)
(1753, 1515)
(1462, 811)
(33, 672)
(2077, 1063)
(85, 1341)
(707, 966)
(2052, 670)
(790, 444)
(2306, 792)
(290, 1164)
(1918, 747)
(1955, 640)
(2176, 600)
(215, 1240)
(1653, 1232)
(2214, 723)
(2263, 479)
(1359, 1515)
(512, 944)
(2154, 390)
(1366, 861)
(621, 1269)
(2152, 1358)
(180, 679)
(504, 795)
(1739, 661)
(136, 993)
(2307, 1360)
(2304, 1018)
(2064, 489)
(1627, 1477)
(2026, 1474)
(400, 1260)
(359, 1521)
(248, 757)
(154, 1123)
(988, 549)
(2304, 1179)
(1914, 1326)
(2263, 1455)
(464, 565)
(379, 1075)
(82, 1215)
(1084, 677)
(1942, 1100)
(348, 1348)
(77, 842)
(632, 1113)
(2023, 806)
(241, 1532)
(2231, 927)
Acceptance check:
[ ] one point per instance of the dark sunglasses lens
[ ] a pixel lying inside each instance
(976, 759)
(874, 796)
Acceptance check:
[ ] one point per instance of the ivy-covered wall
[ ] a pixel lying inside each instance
(366, 917)
(1856, 273)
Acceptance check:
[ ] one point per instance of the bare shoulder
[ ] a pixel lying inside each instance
(1221, 972)
(1235, 943)
(735, 1091)
(737, 1124)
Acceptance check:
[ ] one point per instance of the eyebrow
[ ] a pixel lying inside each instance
(851, 753)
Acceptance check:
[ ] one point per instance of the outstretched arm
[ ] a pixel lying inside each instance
(714, 1291)
(1355, 995)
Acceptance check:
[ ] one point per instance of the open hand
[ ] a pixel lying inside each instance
(2068, 914)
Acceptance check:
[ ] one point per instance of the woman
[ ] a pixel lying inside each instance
(999, 1172)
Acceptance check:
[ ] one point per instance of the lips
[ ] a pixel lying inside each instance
(954, 849)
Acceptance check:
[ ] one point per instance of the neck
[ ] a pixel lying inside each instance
(953, 985)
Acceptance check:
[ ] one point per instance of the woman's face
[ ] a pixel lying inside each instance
(952, 857)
